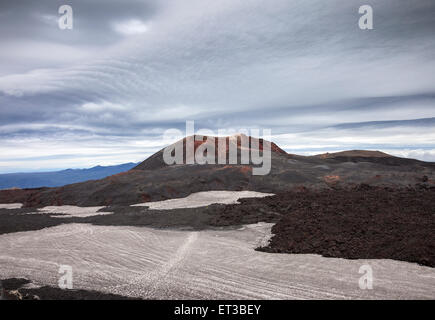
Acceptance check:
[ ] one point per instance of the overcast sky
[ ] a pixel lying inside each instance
(103, 92)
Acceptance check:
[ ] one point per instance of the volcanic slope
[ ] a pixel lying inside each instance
(153, 180)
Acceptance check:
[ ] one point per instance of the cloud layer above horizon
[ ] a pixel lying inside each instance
(104, 92)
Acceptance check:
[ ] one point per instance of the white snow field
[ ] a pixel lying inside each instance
(72, 211)
(11, 205)
(211, 264)
(202, 199)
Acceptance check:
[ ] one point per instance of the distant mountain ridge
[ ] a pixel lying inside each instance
(60, 178)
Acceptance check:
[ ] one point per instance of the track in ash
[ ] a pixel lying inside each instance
(213, 264)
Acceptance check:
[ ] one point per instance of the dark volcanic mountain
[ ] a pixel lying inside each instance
(154, 180)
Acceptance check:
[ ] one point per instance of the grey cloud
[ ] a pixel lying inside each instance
(293, 66)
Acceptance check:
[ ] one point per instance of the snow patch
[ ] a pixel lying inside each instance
(208, 264)
(202, 199)
(11, 205)
(73, 211)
